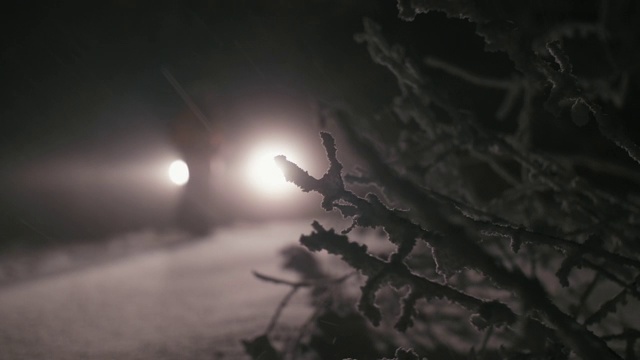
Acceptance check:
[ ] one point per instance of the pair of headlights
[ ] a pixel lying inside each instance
(260, 173)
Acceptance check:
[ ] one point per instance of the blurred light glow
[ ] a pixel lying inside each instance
(264, 175)
(179, 172)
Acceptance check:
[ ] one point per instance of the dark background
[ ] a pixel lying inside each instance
(84, 106)
(84, 109)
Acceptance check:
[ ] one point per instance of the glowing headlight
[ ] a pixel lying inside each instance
(179, 172)
(263, 174)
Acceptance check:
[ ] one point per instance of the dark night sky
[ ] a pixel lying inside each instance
(64, 65)
(82, 89)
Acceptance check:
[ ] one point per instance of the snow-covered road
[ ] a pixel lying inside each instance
(195, 301)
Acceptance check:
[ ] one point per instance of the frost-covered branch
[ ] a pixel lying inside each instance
(454, 242)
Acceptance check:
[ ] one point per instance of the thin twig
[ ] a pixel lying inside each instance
(281, 306)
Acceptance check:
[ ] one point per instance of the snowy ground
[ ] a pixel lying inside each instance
(192, 301)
